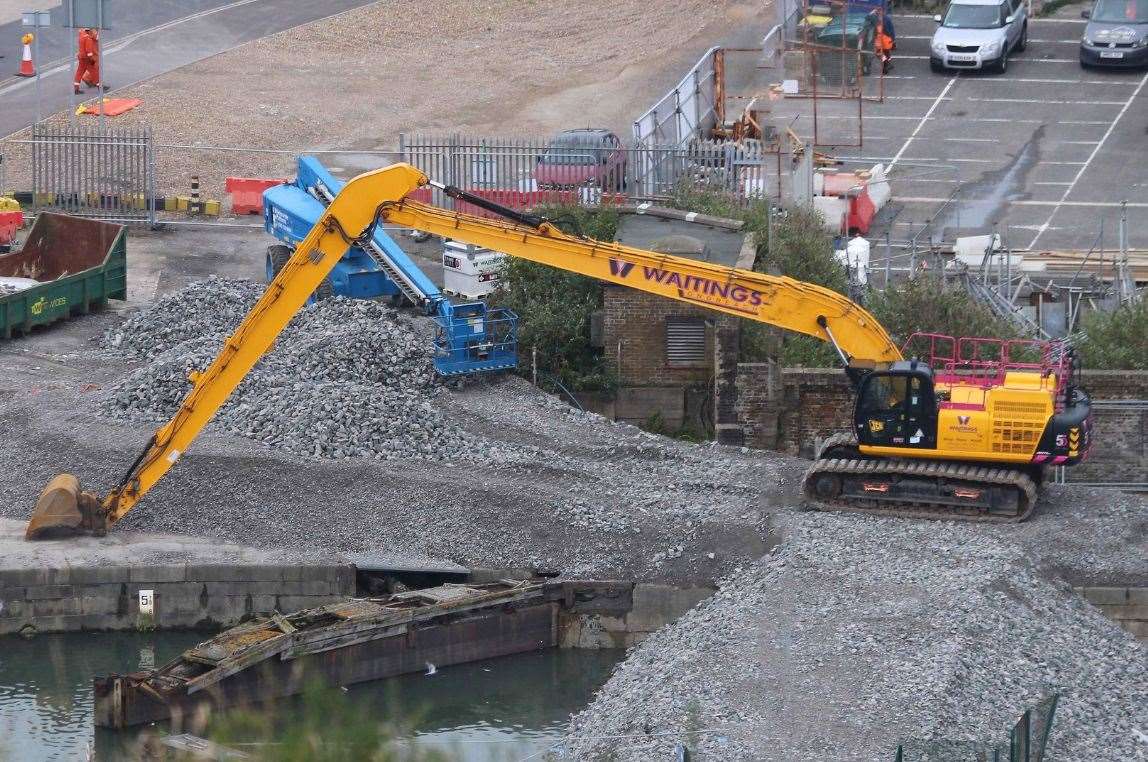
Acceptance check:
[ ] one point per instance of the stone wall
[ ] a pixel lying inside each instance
(1127, 606)
(186, 595)
(1120, 434)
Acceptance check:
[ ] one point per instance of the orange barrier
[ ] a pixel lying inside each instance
(10, 222)
(112, 106)
(247, 193)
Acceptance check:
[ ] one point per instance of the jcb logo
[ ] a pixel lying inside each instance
(39, 305)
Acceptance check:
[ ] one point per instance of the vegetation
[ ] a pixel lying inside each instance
(926, 305)
(1116, 340)
(793, 243)
(555, 307)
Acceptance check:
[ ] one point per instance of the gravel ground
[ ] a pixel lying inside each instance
(444, 66)
(839, 646)
(520, 480)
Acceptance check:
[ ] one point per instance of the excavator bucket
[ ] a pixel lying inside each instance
(65, 510)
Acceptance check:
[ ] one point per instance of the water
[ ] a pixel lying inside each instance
(500, 709)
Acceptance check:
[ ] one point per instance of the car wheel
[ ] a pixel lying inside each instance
(1002, 65)
(1022, 44)
(1084, 64)
(936, 67)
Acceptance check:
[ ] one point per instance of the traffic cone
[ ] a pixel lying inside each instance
(27, 69)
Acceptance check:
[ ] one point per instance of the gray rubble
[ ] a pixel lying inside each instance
(346, 379)
(858, 634)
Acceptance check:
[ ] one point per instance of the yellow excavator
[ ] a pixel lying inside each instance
(962, 432)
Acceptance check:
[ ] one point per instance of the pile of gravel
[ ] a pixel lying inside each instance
(346, 379)
(858, 634)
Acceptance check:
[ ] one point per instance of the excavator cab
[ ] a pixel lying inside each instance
(897, 407)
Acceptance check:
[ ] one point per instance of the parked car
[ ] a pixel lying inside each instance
(1116, 35)
(979, 34)
(851, 31)
(576, 158)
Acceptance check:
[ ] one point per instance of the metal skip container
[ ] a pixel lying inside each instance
(67, 266)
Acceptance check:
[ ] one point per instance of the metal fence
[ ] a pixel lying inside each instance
(523, 172)
(686, 112)
(93, 171)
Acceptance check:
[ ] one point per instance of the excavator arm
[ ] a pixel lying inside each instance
(64, 509)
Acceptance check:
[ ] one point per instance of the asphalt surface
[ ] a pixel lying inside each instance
(145, 39)
(1046, 151)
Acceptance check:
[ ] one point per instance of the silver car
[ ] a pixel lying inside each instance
(979, 34)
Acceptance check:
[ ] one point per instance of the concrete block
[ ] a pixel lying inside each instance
(657, 605)
(1130, 612)
(60, 623)
(1138, 596)
(33, 577)
(1137, 627)
(12, 609)
(271, 587)
(99, 604)
(233, 572)
(98, 575)
(103, 622)
(158, 573)
(1107, 596)
(54, 607)
(47, 592)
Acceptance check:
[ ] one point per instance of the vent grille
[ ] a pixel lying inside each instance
(685, 341)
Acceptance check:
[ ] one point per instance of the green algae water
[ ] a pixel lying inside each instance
(510, 708)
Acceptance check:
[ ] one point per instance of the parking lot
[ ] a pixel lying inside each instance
(1046, 151)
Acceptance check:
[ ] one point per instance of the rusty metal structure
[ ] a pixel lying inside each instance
(353, 641)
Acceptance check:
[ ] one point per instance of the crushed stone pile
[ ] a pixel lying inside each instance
(346, 379)
(856, 635)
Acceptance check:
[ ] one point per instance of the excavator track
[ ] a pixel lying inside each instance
(917, 488)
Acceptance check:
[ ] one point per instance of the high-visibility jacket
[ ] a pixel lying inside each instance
(88, 48)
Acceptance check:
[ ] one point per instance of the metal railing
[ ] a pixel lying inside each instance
(523, 172)
(93, 171)
(686, 112)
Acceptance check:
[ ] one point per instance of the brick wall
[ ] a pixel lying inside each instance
(815, 402)
(637, 321)
(1120, 428)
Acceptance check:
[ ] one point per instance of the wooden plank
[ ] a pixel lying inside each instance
(230, 667)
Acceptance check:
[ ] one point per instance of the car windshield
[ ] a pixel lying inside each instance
(973, 16)
(1121, 11)
(572, 150)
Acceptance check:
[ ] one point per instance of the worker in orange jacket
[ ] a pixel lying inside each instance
(88, 57)
(883, 45)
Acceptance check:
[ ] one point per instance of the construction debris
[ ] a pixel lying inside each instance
(347, 378)
(839, 646)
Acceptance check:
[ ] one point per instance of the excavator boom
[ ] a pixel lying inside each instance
(381, 196)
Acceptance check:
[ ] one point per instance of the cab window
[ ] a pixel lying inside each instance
(884, 393)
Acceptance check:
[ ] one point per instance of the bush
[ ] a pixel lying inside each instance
(1116, 340)
(793, 243)
(926, 305)
(555, 307)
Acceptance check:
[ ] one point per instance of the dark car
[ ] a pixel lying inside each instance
(576, 158)
(1116, 35)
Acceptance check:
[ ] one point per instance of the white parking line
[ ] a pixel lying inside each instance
(1032, 202)
(943, 94)
(1044, 100)
(971, 140)
(1040, 81)
(1091, 156)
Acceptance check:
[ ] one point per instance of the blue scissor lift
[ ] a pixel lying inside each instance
(469, 337)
